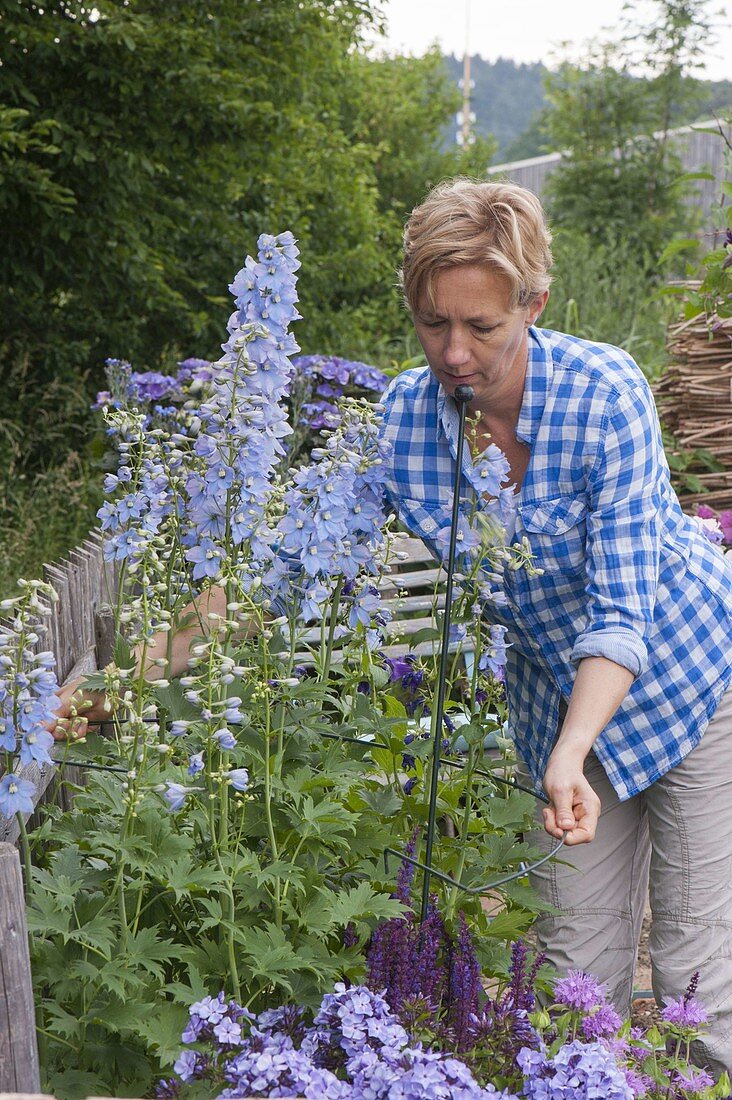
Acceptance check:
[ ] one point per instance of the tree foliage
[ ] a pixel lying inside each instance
(144, 144)
(613, 113)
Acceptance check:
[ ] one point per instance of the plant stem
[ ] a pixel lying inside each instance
(25, 848)
(334, 605)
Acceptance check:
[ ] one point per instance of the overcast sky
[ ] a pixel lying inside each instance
(524, 30)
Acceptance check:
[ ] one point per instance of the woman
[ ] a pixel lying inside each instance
(620, 640)
(620, 653)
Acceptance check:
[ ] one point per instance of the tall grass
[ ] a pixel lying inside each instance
(600, 293)
(44, 515)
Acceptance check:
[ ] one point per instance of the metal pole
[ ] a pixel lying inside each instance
(466, 79)
(463, 396)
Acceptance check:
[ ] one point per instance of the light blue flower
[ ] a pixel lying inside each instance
(239, 778)
(206, 559)
(195, 763)
(35, 746)
(16, 795)
(175, 794)
(225, 739)
(8, 735)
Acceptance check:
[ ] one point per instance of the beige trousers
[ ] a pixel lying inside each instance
(672, 843)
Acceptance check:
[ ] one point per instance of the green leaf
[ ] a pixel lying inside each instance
(173, 700)
(509, 924)
(361, 902)
(509, 812)
(685, 244)
(426, 634)
(147, 950)
(77, 1082)
(162, 1028)
(383, 800)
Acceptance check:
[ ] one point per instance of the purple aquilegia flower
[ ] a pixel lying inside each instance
(579, 991)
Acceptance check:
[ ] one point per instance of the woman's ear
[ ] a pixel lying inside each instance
(536, 309)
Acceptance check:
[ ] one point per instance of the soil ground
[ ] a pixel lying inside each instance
(644, 1010)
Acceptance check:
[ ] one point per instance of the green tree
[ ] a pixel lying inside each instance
(613, 113)
(144, 145)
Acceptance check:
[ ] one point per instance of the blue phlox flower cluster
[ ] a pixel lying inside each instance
(327, 379)
(414, 1074)
(279, 1069)
(355, 1050)
(28, 698)
(578, 1071)
(350, 1020)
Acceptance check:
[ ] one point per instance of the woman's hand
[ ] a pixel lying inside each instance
(77, 709)
(573, 807)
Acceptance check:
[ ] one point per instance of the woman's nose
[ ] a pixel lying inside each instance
(456, 352)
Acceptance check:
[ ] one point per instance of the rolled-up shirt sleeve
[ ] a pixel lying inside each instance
(623, 533)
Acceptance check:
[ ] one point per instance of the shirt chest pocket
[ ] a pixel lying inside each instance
(557, 533)
(424, 518)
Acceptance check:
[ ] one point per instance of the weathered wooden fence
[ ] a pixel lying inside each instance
(699, 147)
(80, 634)
(79, 631)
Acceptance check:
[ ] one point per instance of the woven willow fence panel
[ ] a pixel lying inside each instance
(695, 401)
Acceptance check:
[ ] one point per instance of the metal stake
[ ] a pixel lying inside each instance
(463, 395)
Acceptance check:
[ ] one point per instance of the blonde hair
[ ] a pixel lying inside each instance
(500, 226)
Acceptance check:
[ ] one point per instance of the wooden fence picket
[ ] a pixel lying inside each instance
(19, 1071)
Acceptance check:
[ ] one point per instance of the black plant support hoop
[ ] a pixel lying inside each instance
(463, 396)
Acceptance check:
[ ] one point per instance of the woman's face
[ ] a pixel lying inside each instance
(473, 337)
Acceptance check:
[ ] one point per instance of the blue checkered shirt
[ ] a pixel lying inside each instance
(626, 575)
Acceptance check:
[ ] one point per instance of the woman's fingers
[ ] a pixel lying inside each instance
(575, 812)
(68, 729)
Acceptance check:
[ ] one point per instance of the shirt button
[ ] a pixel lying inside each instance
(428, 525)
